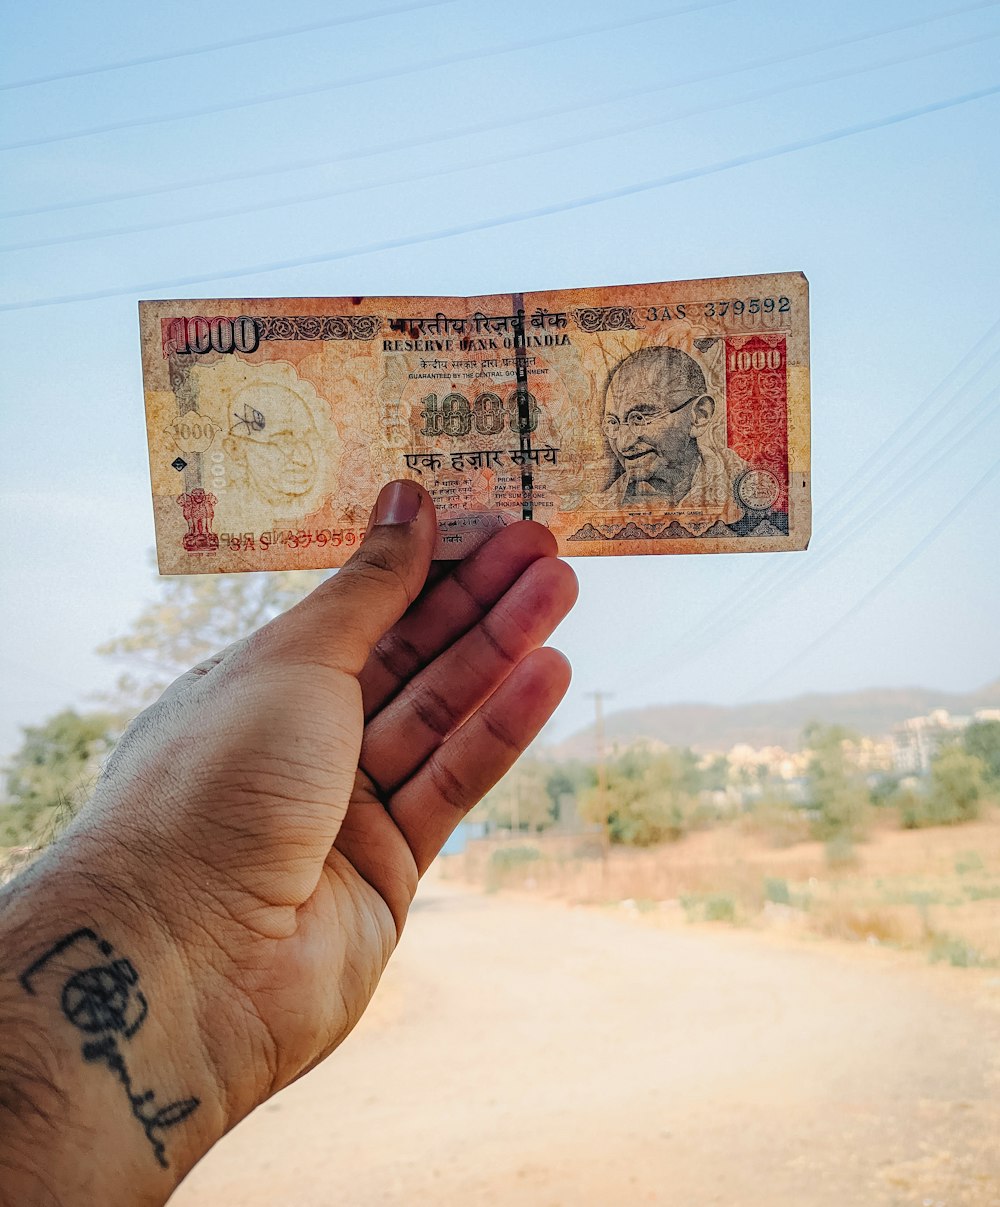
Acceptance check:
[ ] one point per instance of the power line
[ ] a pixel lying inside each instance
(601, 761)
(364, 78)
(884, 581)
(250, 39)
(906, 426)
(542, 211)
(906, 482)
(791, 575)
(771, 580)
(897, 483)
(33, 673)
(492, 161)
(371, 150)
(746, 610)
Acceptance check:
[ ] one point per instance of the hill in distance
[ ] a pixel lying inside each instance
(872, 713)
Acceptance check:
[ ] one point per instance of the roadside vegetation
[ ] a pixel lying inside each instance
(840, 852)
(826, 842)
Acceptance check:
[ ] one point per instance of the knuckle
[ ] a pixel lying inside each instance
(490, 633)
(501, 734)
(380, 567)
(397, 654)
(448, 786)
(479, 603)
(434, 711)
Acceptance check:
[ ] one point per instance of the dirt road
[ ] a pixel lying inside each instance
(535, 1054)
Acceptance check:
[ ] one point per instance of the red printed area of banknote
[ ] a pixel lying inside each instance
(663, 418)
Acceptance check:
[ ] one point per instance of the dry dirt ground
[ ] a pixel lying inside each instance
(529, 1052)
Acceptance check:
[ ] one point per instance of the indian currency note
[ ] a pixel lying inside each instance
(664, 418)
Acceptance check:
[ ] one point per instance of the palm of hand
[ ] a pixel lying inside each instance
(335, 772)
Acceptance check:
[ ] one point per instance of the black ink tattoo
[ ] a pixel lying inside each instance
(102, 999)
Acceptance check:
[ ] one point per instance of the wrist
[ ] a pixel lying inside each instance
(104, 1090)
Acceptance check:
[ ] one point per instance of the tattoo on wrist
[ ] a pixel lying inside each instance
(100, 996)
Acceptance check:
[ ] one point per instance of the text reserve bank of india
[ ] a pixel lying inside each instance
(665, 418)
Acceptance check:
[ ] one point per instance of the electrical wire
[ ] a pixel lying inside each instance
(542, 211)
(773, 579)
(747, 613)
(136, 123)
(492, 161)
(33, 673)
(575, 107)
(840, 527)
(747, 607)
(250, 39)
(871, 464)
(880, 585)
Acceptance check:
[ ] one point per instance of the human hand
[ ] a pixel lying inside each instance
(257, 837)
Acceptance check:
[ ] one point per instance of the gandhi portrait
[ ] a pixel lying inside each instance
(667, 434)
(275, 446)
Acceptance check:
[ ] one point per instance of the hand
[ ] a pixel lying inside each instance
(258, 835)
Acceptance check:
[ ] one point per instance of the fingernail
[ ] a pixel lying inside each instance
(398, 503)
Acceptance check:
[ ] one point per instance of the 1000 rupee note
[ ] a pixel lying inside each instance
(670, 418)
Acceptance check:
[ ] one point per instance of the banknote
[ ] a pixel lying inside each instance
(662, 418)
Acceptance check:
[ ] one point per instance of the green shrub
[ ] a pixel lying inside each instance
(982, 892)
(506, 861)
(512, 857)
(982, 739)
(776, 890)
(953, 794)
(839, 799)
(956, 952)
(649, 798)
(714, 907)
(720, 908)
(968, 861)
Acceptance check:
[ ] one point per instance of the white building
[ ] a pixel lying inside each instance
(916, 741)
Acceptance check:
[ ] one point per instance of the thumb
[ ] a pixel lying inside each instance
(347, 615)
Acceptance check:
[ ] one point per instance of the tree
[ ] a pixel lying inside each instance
(565, 783)
(52, 773)
(957, 786)
(650, 797)
(838, 795)
(982, 740)
(195, 616)
(714, 773)
(521, 800)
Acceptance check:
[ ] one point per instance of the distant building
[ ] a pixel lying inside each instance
(915, 742)
(872, 755)
(754, 771)
(768, 762)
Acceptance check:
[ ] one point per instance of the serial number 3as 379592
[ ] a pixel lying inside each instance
(742, 308)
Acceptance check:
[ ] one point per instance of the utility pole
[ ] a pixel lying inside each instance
(602, 769)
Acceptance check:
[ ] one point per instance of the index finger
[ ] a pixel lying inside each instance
(449, 608)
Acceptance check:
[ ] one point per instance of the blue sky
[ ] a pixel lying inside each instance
(318, 145)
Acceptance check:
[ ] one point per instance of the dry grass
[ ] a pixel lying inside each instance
(935, 890)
